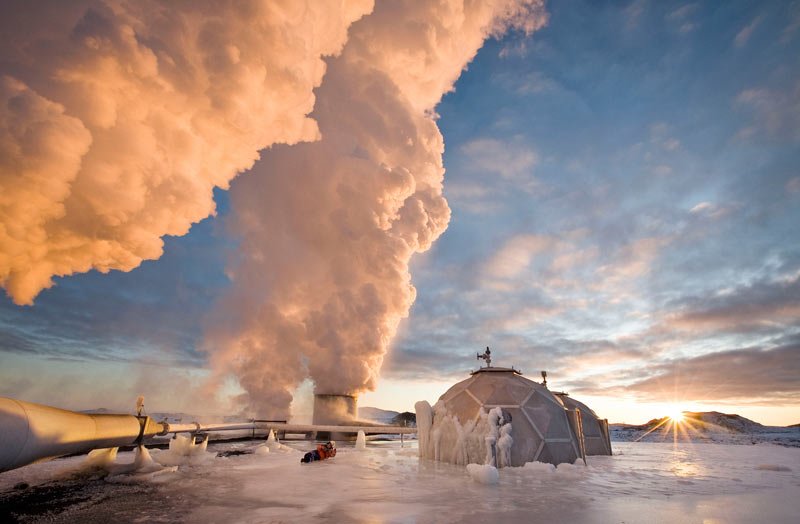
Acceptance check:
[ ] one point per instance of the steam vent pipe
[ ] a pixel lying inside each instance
(336, 410)
(32, 432)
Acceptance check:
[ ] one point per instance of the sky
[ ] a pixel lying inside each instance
(622, 179)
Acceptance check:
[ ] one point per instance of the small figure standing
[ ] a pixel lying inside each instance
(322, 452)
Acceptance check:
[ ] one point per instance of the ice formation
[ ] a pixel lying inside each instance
(272, 443)
(184, 450)
(101, 458)
(483, 473)
(361, 441)
(449, 440)
(105, 459)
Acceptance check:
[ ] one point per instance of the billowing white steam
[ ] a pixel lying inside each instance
(118, 118)
(328, 228)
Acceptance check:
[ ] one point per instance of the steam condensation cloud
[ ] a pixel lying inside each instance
(117, 119)
(328, 228)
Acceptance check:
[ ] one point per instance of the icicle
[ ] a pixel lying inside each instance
(361, 441)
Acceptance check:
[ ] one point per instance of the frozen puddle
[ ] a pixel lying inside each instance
(644, 482)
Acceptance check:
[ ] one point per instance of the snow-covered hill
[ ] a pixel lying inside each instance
(382, 416)
(709, 426)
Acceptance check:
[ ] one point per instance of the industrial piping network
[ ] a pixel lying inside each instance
(33, 432)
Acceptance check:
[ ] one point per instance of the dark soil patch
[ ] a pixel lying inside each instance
(84, 500)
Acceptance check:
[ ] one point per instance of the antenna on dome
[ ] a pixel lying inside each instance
(487, 356)
(544, 378)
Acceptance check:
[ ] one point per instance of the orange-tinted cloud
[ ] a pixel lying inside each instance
(328, 228)
(117, 120)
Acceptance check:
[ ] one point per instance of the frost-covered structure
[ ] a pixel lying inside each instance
(595, 430)
(500, 418)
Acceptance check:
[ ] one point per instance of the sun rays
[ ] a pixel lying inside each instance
(684, 426)
(675, 415)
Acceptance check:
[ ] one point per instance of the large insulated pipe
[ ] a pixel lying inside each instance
(32, 432)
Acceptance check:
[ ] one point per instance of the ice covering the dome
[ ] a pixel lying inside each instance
(498, 417)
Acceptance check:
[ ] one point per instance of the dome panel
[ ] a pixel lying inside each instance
(508, 393)
(455, 389)
(463, 406)
(526, 440)
(542, 398)
(540, 417)
(591, 428)
(558, 453)
(558, 426)
(483, 386)
(596, 441)
(571, 403)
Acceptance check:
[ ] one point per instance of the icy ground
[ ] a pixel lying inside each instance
(644, 482)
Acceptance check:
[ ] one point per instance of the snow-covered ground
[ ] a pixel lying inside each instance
(642, 482)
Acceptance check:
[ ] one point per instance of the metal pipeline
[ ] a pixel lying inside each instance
(32, 432)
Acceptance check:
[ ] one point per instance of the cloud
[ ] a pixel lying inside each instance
(682, 12)
(711, 210)
(702, 207)
(762, 305)
(681, 17)
(749, 375)
(493, 169)
(517, 254)
(794, 24)
(660, 136)
(512, 160)
(631, 262)
(328, 228)
(633, 14)
(530, 83)
(117, 120)
(776, 113)
(743, 36)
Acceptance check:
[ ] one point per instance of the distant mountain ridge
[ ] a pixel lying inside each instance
(705, 421)
(384, 416)
(715, 419)
(707, 426)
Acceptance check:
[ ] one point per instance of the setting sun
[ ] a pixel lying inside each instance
(676, 415)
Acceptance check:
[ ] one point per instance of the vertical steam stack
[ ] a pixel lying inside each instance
(334, 410)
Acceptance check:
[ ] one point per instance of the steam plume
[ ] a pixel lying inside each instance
(328, 228)
(117, 119)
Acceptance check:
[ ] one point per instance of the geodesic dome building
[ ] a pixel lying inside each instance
(595, 430)
(458, 428)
